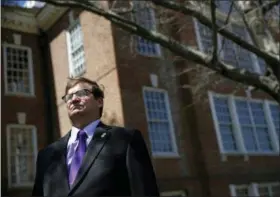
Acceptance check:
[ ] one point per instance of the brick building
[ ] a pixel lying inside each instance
(228, 146)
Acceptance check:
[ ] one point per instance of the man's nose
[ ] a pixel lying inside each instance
(75, 98)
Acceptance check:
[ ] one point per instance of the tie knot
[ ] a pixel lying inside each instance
(82, 135)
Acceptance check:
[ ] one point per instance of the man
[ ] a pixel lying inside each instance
(94, 159)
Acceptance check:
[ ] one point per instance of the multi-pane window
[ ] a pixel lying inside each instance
(18, 70)
(205, 35)
(22, 150)
(253, 126)
(145, 16)
(159, 122)
(225, 124)
(242, 191)
(76, 50)
(242, 125)
(229, 52)
(255, 189)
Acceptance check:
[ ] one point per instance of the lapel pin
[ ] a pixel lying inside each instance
(103, 135)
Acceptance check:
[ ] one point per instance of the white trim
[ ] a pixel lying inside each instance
(236, 126)
(253, 188)
(174, 193)
(215, 121)
(271, 127)
(30, 71)
(35, 150)
(69, 56)
(69, 50)
(170, 120)
(233, 188)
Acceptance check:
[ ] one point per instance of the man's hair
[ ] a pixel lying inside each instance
(96, 90)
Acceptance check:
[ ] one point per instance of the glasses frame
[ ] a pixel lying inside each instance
(75, 93)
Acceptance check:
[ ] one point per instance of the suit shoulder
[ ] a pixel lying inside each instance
(52, 147)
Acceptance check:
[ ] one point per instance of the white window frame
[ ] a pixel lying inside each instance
(237, 132)
(256, 66)
(170, 120)
(174, 193)
(30, 70)
(253, 188)
(156, 45)
(233, 188)
(269, 185)
(34, 136)
(69, 50)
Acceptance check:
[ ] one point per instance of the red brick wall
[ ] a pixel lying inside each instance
(32, 106)
(235, 170)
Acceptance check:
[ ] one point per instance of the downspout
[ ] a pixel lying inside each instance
(47, 79)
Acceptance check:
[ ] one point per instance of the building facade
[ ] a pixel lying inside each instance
(227, 146)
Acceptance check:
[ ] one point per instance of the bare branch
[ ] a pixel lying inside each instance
(229, 71)
(214, 34)
(193, 11)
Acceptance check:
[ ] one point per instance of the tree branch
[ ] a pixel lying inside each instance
(192, 11)
(239, 75)
(214, 32)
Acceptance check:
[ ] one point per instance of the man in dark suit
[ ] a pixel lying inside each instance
(94, 159)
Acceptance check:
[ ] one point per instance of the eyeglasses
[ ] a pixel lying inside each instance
(79, 93)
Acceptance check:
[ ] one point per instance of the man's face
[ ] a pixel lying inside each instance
(82, 100)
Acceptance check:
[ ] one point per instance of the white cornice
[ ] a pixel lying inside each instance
(49, 15)
(22, 21)
(19, 21)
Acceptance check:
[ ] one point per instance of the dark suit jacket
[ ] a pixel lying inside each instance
(117, 163)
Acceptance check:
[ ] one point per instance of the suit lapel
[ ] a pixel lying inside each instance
(57, 175)
(100, 137)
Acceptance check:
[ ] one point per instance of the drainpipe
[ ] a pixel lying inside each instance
(48, 88)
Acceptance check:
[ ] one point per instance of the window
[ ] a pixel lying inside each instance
(22, 151)
(160, 126)
(18, 70)
(225, 124)
(255, 189)
(244, 126)
(205, 38)
(225, 6)
(76, 52)
(145, 16)
(231, 53)
(269, 190)
(253, 126)
(275, 115)
(178, 193)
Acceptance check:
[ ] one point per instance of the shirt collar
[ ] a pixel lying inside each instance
(89, 129)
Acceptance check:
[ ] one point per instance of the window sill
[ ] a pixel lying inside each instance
(165, 155)
(250, 153)
(156, 56)
(246, 155)
(20, 95)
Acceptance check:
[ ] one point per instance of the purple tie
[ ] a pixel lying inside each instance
(78, 156)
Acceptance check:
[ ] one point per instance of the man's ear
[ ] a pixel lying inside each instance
(99, 102)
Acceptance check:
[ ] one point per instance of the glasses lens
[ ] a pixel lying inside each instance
(81, 93)
(67, 97)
